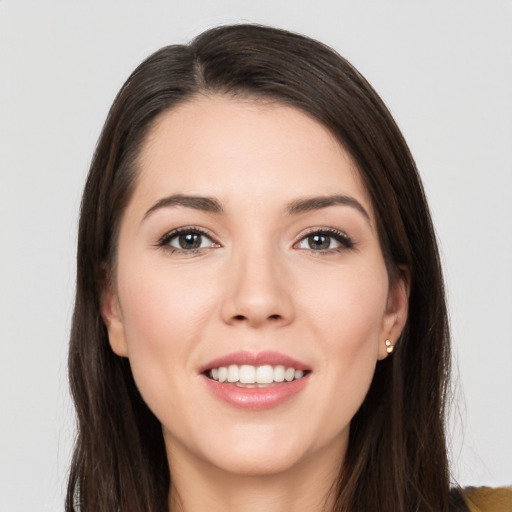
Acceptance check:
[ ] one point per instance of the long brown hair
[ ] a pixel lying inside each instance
(396, 459)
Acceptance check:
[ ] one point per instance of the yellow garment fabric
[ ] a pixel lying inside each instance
(487, 499)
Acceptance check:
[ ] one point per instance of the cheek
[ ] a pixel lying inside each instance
(163, 317)
(161, 308)
(347, 319)
(349, 307)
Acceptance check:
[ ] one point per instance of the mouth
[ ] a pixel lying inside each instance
(249, 376)
(255, 381)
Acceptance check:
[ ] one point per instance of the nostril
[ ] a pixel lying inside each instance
(239, 317)
(274, 317)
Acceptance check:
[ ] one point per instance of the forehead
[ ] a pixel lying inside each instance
(221, 146)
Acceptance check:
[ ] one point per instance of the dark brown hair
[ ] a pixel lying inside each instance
(396, 459)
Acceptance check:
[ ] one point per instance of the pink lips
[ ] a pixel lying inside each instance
(255, 399)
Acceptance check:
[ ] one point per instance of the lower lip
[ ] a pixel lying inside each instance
(256, 399)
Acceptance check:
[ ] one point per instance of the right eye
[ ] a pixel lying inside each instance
(186, 240)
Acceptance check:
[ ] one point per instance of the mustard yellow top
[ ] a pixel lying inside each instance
(487, 499)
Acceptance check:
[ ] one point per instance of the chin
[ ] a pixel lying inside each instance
(266, 450)
(257, 463)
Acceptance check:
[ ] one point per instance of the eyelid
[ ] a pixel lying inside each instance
(163, 241)
(345, 240)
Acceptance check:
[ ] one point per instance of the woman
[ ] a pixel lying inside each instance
(260, 319)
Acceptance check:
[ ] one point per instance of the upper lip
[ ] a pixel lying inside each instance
(255, 359)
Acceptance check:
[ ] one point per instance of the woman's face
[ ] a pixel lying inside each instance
(249, 251)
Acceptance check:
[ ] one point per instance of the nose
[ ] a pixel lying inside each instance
(257, 292)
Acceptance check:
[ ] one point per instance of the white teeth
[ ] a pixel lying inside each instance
(248, 374)
(278, 373)
(223, 374)
(289, 374)
(265, 374)
(233, 373)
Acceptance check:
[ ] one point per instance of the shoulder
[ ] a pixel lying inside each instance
(487, 499)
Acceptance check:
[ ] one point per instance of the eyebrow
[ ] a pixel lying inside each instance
(317, 203)
(297, 207)
(205, 204)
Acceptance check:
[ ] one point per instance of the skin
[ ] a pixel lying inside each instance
(255, 284)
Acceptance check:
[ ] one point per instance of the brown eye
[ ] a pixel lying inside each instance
(325, 240)
(188, 240)
(319, 242)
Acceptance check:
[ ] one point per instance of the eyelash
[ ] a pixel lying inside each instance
(165, 240)
(346, 243)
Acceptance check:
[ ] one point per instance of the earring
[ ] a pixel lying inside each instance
(389, 346)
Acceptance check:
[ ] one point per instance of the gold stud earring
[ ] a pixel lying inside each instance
(389, 346)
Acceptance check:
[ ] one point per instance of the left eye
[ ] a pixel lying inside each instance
(189, 241)
(320, 241)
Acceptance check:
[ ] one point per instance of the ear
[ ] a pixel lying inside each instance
(111, 313)
(396, 311)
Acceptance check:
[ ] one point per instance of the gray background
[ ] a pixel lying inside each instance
(443, 67)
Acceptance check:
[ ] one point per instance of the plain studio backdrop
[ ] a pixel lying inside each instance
(443, 67)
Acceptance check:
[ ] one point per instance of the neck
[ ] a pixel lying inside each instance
(198, 486)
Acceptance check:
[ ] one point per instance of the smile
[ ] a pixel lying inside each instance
(255, 381)
(255, 376)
